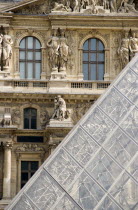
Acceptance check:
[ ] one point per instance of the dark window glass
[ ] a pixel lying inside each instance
(29, 138)
(30, 58)
(28, 168)
(93, 59)
(30, 118)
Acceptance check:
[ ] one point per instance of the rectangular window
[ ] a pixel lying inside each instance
(30, 139)
(28, 168)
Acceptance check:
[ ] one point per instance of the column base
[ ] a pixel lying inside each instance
(4, 202)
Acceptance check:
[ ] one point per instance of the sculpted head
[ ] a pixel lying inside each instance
(126, 34)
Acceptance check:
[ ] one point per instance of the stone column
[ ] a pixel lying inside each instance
(7, 170)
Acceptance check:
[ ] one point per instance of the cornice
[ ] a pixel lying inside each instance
(30, 132)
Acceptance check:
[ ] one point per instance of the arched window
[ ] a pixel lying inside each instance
(93, 59)
(30, 58)
(30, 118)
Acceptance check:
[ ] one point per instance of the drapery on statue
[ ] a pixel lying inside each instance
(53, 52)
(1, 38)
(63, 54)
(6, 50)
(58, 51)
(127, 6)
(59, 109)
(133, 44)
(59, 7)
(123, 50)
(106, 4)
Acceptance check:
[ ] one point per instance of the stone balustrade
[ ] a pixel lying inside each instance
(47, 86)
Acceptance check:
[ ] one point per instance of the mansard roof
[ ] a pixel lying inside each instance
(95, 167)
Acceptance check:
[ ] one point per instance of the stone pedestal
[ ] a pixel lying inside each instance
(58, 75)
(62, 124)
(4, 74)
(7, 170)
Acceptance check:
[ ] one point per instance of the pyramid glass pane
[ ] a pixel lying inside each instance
(96, 165)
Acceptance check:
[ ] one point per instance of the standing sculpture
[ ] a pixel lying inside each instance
(63, 53)
(53, 53)
(133, 45)
(106, 4)
(123, 50)
(5, 50)
(1, 38)
(113, 6)
(58, 51)
(59, 109)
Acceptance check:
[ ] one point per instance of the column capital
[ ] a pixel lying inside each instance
(8, 144)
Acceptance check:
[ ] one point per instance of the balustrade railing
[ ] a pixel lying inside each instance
(71, 85)
(90, 85)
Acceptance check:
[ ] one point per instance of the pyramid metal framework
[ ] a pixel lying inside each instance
(96, 165)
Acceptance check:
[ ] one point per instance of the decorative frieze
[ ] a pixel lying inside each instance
(29, 148)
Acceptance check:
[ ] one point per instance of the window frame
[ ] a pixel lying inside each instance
(29, 171)
(29, 117)
(27, 156)
(34, 61)
(89, 52)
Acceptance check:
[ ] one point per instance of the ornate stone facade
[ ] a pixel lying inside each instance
(41, 57)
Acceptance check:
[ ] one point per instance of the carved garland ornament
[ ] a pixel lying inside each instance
(29, 148)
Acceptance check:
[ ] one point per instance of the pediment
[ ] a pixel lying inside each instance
(34, 7)
(27, 7)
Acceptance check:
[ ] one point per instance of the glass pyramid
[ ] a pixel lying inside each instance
(96, 165)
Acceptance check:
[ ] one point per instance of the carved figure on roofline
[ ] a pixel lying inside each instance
(127, 6)
(106, 4)
(123, 50)
(84, 4)
(95, 6)
(113, 6)
(59, 7)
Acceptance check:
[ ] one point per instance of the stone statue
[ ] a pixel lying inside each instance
(113, 6)
(123, 50)
(84, 4)
(7, 49)
(63, 54)
(106, 4)
(133, 44)
(59, 7)
(76, 7)
(60, 108)
(53, 53)
(127, 7)
(1, 39)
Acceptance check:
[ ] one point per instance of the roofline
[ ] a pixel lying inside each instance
(17, 5)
